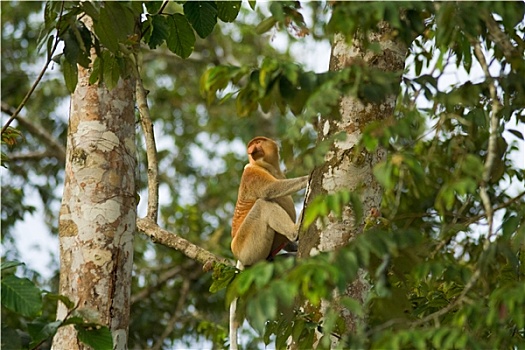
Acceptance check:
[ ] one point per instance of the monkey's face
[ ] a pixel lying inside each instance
(263, 149)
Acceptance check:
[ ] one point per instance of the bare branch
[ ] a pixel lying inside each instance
(175, 316)
(492, 147)
(172, 240)
(501, 39)
(151, 149)
(55, 149)
(163, 278)
(31, 156)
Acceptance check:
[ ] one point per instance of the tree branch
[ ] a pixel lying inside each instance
(31, 156)
(151, 148)
(501, 39)
(55, 149)
(172, 240)
(492, 147)
(163, 278)
(175, 316)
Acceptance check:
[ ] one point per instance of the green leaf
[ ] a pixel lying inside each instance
(222, 276)
(357, 207)
(263, 274)
(246, 102)
(265, 25)
(153, 6)
(228, 10)
(21, 296)
(99, 338)
(42, 331)
(71, 47)
(70, 71)
(96, 71)
(116, 24)
(510, 226)
(50, 44)
(110, 70)
(313, 211)
(58, 297)
(260, 309)
(202, 15)
(384, 174)
(9, 264)
(91, 9)
(76, 320)
(160, 31)
(181, 39)
(516, 133)
(244, 282)
(10, 339)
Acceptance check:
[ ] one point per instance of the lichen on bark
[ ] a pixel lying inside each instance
(98, 214)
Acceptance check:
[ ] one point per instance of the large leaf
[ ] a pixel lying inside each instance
(115, 24)
(21, 296)
(58, 297)
(228, 10)
(10, 339)
(160, 31)
(202, 16)
(181, 39)
(99, 338)
(40, 331)
(9, 264)
(110, 69)
(70, 71)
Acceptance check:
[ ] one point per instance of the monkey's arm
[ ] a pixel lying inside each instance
(259, 183)
(281, 188)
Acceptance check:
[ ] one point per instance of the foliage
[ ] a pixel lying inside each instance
(439, 278)
(21, 297)
(117, 31)
(430, 255)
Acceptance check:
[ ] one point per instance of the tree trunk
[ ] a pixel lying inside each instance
(343, 168)
(98, 213)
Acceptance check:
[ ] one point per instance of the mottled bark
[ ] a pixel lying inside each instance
(98, 213)
(344, 169)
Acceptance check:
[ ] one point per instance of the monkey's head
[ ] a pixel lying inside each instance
(263, 151)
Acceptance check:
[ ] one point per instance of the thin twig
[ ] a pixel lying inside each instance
(163, 278)
(175, 316)
(55, 149)
(37, 81)
(30, 156)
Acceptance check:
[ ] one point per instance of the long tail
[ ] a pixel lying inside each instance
(234, 323)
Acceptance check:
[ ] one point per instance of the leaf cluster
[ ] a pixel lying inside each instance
(438, 279)
(286, 85)
(118, 29)
(24, 299)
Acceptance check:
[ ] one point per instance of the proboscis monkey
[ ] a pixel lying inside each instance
(264, 218)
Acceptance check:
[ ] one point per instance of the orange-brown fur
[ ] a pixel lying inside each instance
(264, 217)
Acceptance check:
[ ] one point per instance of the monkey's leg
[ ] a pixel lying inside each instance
(254, 239)
(278, 219)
